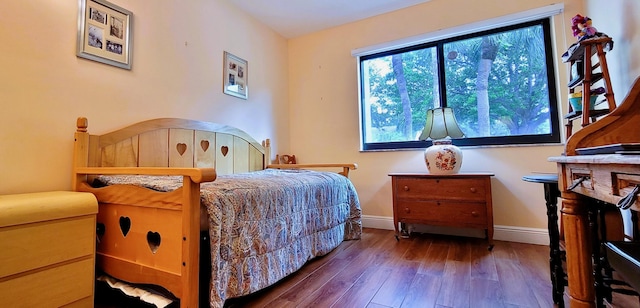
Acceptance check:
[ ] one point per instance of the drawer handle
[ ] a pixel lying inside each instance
(474, 214)
(628, 200)
(407, 210)
(576, 183)
(474, 190)
(406, 188)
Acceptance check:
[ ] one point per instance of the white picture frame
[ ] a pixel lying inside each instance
(236, 76)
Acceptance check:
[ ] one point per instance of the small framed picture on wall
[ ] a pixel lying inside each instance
(235, 76)
(104, 33)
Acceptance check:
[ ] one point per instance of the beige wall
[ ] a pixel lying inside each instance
(177, 72)
(621, 21)
(303, 92)
(324, 108)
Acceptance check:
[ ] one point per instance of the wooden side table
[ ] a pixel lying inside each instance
(460, 200)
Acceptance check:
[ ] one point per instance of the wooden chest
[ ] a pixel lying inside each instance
(47, 249)
(459, 200)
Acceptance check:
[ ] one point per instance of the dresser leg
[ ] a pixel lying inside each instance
(489, 237)
(404, 232)
(395, 226)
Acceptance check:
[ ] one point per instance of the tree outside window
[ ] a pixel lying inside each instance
(500, 83)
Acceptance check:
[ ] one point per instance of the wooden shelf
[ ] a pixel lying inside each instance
(576, 51)
(595, 77)
(592, 113)
(583, 76)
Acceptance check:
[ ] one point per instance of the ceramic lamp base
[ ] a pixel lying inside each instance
(443, 157)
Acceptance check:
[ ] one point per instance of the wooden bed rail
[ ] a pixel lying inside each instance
(345, 167)
(197, 175)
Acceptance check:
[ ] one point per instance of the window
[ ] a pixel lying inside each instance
(499, 82)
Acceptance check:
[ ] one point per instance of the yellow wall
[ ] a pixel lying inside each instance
(177, 72)
(324, 108)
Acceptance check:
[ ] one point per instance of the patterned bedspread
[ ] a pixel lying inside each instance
(267, 224)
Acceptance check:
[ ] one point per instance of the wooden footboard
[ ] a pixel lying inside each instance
(151, 237)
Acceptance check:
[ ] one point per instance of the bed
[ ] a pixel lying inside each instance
(163, 183)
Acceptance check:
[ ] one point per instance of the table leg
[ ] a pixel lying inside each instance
(594, 227)
(558, 281)
(577, 241)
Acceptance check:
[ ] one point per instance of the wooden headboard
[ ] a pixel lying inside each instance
(176, 143)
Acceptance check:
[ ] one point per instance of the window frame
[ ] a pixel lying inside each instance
(554, 109)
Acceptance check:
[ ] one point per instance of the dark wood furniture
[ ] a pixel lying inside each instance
(460, 200)
(605, 177)
(551, 195)
(624, 257)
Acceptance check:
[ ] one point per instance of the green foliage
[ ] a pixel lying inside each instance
(517, 86)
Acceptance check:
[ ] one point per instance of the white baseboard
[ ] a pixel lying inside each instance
(377, 222)
(500, 233)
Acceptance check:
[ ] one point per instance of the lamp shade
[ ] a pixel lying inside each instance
(441, 123)
(442, 157)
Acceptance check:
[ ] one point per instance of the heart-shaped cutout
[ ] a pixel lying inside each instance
(153, 239)
(224, 149)
(204, 144)
(100, 229)
(181, 147)
(125, 225)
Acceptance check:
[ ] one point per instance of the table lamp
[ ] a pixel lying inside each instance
(442, 157)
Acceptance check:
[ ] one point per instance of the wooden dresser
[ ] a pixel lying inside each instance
(460, 200)
(47, 249)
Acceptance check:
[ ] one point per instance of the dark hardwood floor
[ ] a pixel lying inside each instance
(426, 270)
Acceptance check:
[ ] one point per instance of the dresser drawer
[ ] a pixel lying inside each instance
(47, 249)
(467, 189)
(45, 244)
(51, 287)
(443, 213)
